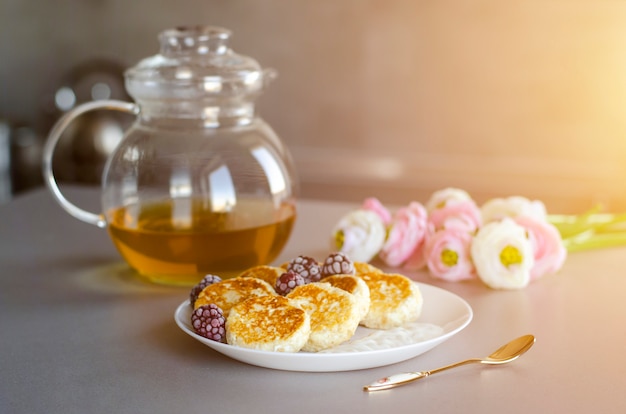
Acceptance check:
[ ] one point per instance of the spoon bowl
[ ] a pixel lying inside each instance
(510, 351)
(506, 353)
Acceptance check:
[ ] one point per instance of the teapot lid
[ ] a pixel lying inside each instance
(196, 62)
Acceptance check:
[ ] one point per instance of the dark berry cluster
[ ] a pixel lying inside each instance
(337, 264)
(209, 321)
(206, 281)
(288, 281)
(307, 267)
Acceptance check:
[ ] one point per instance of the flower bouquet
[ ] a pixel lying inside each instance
(506, 242)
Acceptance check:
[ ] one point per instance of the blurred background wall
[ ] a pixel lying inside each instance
(393, 98)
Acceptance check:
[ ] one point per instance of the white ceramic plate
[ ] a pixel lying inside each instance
(443, 315)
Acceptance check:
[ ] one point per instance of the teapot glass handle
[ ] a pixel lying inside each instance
(53, 138)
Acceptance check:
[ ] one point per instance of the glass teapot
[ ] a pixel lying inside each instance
(199, 184)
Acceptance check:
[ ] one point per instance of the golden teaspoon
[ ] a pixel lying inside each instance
(506, 353)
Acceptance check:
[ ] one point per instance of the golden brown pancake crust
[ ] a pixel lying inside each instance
(270, 323)
(344, 282)
(267, 273)
(333, 312)
(230, 292)
(362, 268)
(394, 300)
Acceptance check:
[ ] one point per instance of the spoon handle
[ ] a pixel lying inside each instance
(395, 380)
(402, 378)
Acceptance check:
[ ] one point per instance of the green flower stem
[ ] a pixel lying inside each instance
(592, 230)
(595, 241)
(569, 225)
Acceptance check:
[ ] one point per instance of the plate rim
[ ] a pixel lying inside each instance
(349, 361)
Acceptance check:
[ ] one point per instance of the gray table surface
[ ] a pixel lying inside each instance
(80, 334)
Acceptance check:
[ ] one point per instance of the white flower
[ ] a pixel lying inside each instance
(503, 255)
(516, 206)
(360, 234)
(445, 197)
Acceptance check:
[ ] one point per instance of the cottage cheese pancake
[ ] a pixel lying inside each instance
(230, 292)
(334, 314)
(362, 268)
(354, 285)
(267, 273)
(268, 323)
(394, 300)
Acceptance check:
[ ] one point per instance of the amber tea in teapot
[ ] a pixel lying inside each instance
(199, 184)
(169, 251)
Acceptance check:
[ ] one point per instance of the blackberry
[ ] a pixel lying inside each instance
(307, 267)
(288, 282)
(337, 264)
(208, 321)
(206, 281)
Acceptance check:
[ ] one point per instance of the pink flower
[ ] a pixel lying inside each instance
(405, 234)
(461, 215)
(376, 206)
(548, 248)
(448, 256)
(417, 259)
